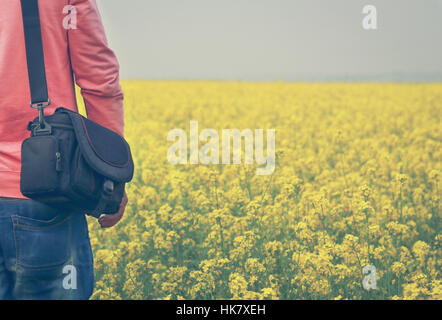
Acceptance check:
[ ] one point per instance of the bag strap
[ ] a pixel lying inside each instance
(36, 63)
(34, 54)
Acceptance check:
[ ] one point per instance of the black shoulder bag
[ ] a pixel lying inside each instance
(68, 161)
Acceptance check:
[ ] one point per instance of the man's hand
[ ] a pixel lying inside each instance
(109, 220)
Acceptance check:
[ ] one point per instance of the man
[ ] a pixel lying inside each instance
(46, 253)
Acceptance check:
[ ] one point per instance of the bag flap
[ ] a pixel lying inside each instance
(104, 150)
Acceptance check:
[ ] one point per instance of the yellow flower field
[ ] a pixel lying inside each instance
(357, 182)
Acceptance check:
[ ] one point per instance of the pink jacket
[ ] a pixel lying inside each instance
(90, 61)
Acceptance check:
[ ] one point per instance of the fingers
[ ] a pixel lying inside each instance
(110, 220)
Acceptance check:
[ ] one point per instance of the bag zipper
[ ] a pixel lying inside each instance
(58, 161)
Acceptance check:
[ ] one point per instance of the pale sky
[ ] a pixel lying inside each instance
(275, 39)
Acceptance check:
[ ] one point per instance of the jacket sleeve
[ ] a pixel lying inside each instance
(96, 67)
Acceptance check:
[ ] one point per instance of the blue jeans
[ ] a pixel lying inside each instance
(44, 253)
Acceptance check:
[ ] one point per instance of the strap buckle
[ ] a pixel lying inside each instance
(38, 105)
(43, 127)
